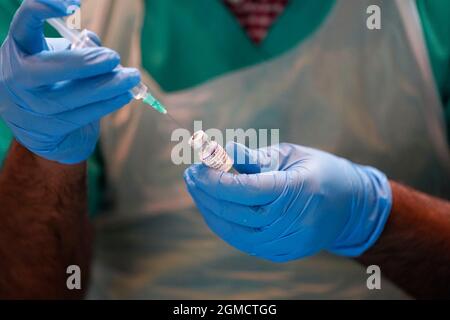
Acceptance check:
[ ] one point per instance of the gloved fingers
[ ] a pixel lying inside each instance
(228, 232)
(95, 111)
(244, 159)
(249, 216)
(44, 128)
(246, 189)
(47, 67)
(32, 139)
(245, 238)
(78, 93)
(27, 25)
(251, 161)
(69, 148)
(235, 235)
(77, 146)
(288, 247)
(39, 130)
(275, 251)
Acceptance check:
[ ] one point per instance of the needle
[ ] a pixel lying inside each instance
(175, 121)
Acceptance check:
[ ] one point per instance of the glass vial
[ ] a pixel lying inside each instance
(210, 152)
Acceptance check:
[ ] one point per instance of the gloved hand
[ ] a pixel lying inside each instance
(291, 202)
(52, 98)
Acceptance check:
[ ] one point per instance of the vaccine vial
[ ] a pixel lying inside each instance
(210, 152)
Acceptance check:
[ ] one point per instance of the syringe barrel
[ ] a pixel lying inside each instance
(84, 41)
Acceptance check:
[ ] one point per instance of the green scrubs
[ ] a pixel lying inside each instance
(184, 47)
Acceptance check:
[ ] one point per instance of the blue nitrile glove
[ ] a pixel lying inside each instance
(52, 98)
(305, 202)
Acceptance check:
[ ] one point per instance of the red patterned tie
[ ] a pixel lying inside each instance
(256, 16)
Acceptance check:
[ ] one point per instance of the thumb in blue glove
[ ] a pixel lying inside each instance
(53, 98)
(291, 202)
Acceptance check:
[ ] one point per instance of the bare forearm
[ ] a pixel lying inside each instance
(43, 226)
(414, 249)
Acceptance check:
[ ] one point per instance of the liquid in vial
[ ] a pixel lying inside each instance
(210, 152)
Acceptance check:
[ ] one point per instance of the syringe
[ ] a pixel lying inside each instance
(81, 39)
